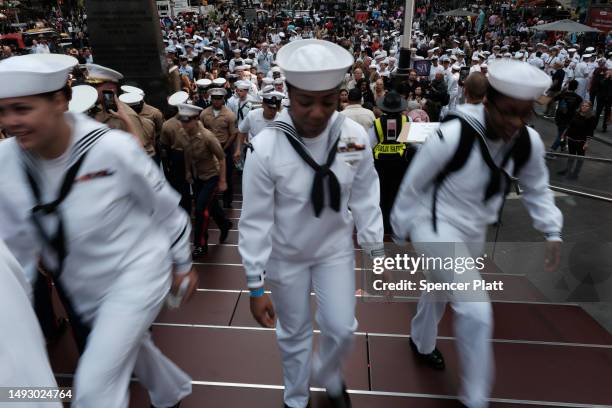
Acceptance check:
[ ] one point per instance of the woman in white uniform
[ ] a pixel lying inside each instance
(305, 171)
(91, 204)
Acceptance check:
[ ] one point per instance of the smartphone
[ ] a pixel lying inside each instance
(391, 129)
(108, 101)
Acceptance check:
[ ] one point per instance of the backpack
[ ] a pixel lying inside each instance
(519, 153)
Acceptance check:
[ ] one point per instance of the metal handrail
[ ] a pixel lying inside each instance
(591, 158)
(580, 193)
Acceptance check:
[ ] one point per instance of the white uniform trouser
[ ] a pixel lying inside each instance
(333, 283)
(582, 87)
(120, 344)
(473, 320)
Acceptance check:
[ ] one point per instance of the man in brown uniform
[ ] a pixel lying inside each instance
(136, 101)
(106, 79)
(172, 143)
(222, 123)
(147, 111)
(205, 169)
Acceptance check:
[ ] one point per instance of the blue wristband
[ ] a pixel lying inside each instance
(257, 292)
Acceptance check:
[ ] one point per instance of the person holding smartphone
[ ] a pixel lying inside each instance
(109, 110)
(86, 201)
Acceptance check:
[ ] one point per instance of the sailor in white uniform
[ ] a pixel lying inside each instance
(88, 201)
(22, 346)
(298, 233)
(457, 225)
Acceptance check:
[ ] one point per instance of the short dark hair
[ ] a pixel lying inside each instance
(354, 95)
(476, 85)
(572, 85)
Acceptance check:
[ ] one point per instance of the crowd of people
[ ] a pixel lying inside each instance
(309, 110)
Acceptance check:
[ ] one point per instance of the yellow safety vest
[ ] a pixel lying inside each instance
(388, 148)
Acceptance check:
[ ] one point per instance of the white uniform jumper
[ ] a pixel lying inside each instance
(462, 221)
(280, 235)
(124, 231)
(23, 355)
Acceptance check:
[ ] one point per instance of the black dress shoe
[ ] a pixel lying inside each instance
(341, 401)
(174, 406)
(434, 359)
(225, 232)
(199, 251)
(287, 406)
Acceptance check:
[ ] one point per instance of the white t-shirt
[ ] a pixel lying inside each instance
(253, 123)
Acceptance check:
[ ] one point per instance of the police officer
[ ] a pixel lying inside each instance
(390, 156)
(305, 171)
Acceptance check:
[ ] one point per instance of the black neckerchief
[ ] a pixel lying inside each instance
(321, 171)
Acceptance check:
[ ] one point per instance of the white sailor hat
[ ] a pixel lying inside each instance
(132, 89)
(246, 85)
(188, 111)
(272, 98)
(456, 41)
(275, 69)
(243, 39)
(518, 55)
(219, 82)
(207, 49)
(379, 57)
(240, 67)
(217, 92)
(373, 66)
(484, 66)
(98, 74)
(392, 59)
(453, 58)
(267, 81)
(434, 49)
(236, 51)
(246, 66)
(587, 56)
(518, 80)
(279, 81)
(84, 97)
(281, 34)
(177, 98)
(507, 55)
(267, 89)
(386, 61)
(589, 49)
(314, 65)
(131, 98)
(475, 57)
(34, 74)
(456, 67)
(571, 50)
(203, 83)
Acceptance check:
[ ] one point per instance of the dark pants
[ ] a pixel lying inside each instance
(390, 174)
(557, 143)
(603, 104)
(178, 180)
(575, 148)
(206, 206)
(228, 195)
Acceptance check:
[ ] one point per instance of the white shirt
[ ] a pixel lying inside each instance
(254, 123)
(361, 115)
(460, 197)
(121, 221)
(278, 221)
